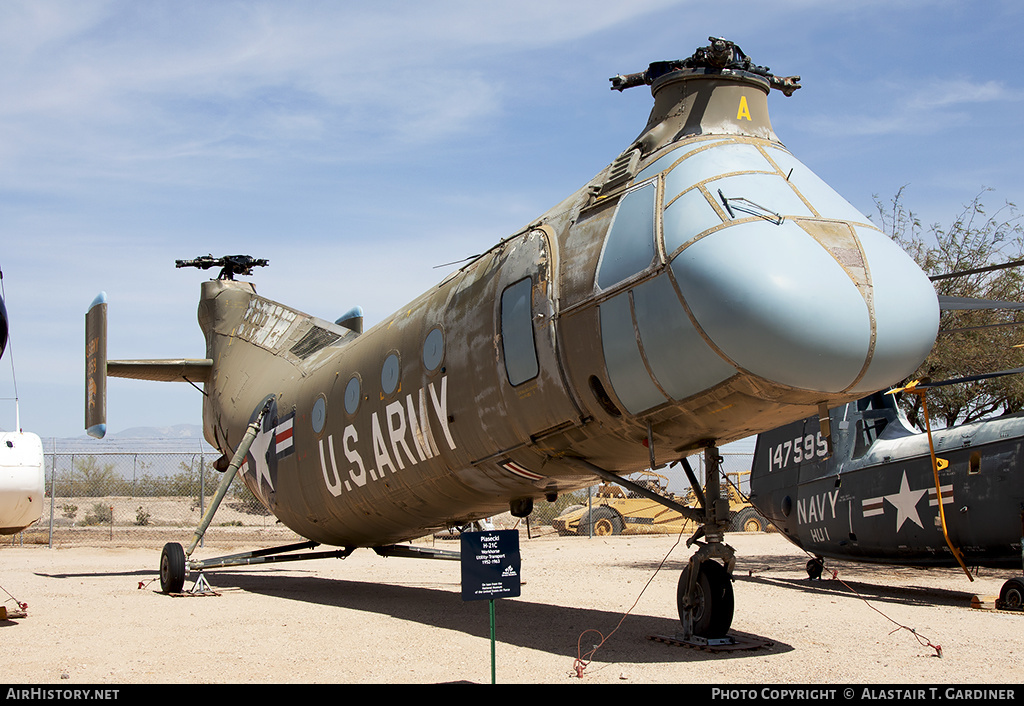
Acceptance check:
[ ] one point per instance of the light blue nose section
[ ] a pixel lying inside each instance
(906, 312)
(777, 304)
(777, 276)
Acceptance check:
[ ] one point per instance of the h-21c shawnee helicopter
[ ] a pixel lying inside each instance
(704, 287)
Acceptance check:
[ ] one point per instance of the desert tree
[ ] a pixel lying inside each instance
(970, 342)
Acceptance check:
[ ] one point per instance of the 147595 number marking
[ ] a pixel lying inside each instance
(803, 449)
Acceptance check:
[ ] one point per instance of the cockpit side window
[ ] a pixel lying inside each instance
(876, 413)
(629, 248)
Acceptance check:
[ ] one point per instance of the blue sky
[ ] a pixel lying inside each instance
(358, 145)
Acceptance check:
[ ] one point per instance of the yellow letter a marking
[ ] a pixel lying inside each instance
(744, 111)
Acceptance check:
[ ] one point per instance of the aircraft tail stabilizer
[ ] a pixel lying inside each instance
(97, 368)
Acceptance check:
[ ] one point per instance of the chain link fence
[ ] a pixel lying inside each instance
(144, 500)
(148, 499)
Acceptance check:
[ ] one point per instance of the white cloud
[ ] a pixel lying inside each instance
(915, 106)
(355, 145)
(127, 79)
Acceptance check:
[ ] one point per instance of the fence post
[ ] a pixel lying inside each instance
(202, 493)
(53, 494)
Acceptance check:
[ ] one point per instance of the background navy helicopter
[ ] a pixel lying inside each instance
(888, 494)
(703, 287)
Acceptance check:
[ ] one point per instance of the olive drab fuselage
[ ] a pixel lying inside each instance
(704, 287)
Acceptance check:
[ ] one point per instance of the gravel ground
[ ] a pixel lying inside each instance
(97, 616)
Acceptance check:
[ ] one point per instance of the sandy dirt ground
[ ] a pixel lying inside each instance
(97, 616)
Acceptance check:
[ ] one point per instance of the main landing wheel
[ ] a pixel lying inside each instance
(172, 568)
(713, 600)
(1011, 596)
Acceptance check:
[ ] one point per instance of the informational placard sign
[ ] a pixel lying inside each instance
(490, 565)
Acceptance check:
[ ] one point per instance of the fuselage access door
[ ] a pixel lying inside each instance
(533, 387)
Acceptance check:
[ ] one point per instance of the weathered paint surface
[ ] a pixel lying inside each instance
(704, 287)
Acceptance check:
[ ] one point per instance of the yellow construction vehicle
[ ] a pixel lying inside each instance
(617, 511)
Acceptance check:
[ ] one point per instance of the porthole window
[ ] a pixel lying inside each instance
(389, 374)
(352, 392)
(433, 349)
(318, 417)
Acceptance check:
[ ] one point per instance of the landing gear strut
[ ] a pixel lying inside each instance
(173, 558)
(705, 592)
(704, 595)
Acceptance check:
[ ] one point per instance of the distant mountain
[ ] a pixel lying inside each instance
(178, 431)
(180, 438)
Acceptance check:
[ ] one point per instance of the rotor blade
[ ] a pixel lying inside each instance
(947, 303)
(3, 326)
(926, 382)
(972, 378)
(990, 268)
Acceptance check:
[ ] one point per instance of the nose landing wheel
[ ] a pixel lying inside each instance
(707, 609)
